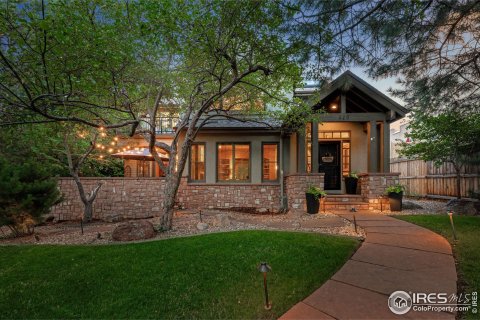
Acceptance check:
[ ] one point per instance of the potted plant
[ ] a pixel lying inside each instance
(395, 195)
(351, 181)
(313, 195)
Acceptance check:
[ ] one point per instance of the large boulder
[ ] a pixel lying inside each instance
(133, 230)
(222, 220)
(464, 206)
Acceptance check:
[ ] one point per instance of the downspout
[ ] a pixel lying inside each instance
(283, 198)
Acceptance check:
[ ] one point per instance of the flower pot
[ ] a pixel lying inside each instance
(351, 185)
(395, 201)
(313, 204)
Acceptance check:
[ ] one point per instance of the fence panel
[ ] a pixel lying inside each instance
(425, 179)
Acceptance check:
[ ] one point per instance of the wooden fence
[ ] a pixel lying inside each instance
(424, 179)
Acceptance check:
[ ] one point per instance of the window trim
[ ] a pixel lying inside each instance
(233, 149)
(190, 162)
(278, 160)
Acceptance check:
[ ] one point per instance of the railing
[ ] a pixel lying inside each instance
(165, 125)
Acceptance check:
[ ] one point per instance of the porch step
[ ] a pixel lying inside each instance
(343, 198)
(358, 205)
(335, 202)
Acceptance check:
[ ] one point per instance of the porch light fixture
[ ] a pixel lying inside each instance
(333, 107)
(265, 268)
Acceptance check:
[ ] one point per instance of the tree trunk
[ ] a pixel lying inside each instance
(459, 180)
(88, 211)
(170, 193)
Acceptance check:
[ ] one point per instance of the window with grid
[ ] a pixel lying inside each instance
(197, 162)
(270, 161)
(233, 162)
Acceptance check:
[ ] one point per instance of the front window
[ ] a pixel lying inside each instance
(197, 162)
(270, 162)
(233, 162)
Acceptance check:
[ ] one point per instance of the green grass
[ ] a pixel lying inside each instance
(466, 249)
(210, 276)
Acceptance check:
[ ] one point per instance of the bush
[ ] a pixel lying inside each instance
(27, 191)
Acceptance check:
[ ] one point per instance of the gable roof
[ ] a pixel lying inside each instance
(348, 78)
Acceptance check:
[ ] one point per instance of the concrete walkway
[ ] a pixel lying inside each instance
(396, 255)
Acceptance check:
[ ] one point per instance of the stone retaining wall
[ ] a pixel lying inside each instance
(118, 198)
(250, 197)
(136, 198)
(372, 188)
(296, 185)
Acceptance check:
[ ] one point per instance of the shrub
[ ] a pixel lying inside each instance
(398, 188)
(27, 191)
(316, 191)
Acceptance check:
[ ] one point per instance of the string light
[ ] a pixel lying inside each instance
(98, 145)
(101, 156)
(101, 128)
(110, 150)
(112, 143)
(103, 134)
(115, 138)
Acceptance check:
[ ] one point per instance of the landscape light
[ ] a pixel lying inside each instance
(265, 268)
(450, 214)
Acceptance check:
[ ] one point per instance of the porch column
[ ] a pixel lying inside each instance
(301, 152)
(314, 147)
(373, 164)
(386, 146)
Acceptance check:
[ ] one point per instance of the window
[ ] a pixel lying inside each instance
(143, 169)
(233, 162)
(128, 171)
(197, 162)
(270, 161)
(308, 140)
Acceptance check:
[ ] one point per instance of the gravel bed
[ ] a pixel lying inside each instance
(428, 206)
(185, 224)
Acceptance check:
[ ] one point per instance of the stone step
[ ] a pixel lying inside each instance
(343, 198)
(345, 205)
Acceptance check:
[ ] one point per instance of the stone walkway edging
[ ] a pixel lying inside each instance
(396, 255)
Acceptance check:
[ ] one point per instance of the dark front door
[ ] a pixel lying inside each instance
(329, 163)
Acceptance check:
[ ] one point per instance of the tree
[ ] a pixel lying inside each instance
(104, 63)
(449, 137)
(27, 191)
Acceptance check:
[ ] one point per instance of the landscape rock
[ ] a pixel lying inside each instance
(113, 217)
(464, 207)
(409, 205)
(222, 220)
(133, 230)
(202, 226)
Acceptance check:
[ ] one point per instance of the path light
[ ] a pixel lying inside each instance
(265, 268)
(355, 223)
(450, 214)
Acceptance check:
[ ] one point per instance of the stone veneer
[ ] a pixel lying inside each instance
(136, 198)
(249, 197)
(372, 188)
(118, 198)
(297, 184)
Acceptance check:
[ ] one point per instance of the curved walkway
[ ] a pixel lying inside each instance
(396, 255)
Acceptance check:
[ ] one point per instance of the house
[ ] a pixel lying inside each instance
(245, 164)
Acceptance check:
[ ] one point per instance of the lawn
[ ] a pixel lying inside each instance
(209, 276)
(466, 249)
